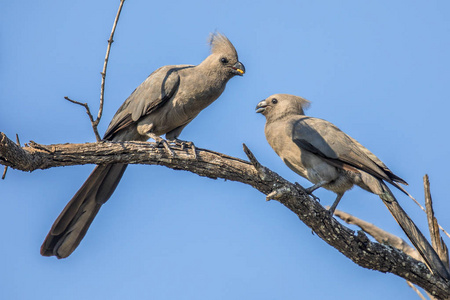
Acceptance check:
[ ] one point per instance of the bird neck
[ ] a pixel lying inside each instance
(282, 116)
(211, 78)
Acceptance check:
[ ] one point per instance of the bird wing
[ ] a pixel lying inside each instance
(153, 93)
(329, 142)
(380, 164)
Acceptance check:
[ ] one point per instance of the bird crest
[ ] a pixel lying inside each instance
(300, 104)
(305, 104)
(221, 44)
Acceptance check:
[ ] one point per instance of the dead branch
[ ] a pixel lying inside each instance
(423, 209)
(436, 239)
(384, 238)
(380, 235)
(94, 123)
(6, 167)
(103, 73)
(355, 246)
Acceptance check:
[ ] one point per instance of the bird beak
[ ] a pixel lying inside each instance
(238, 69)
(261, 107)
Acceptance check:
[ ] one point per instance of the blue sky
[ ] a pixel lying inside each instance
(379, 70)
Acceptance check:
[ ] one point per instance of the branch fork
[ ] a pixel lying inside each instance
(94, 123)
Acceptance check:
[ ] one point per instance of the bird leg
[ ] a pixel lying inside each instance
(184, 144)
(309, 193)
(315, 187)
(160, 141)
(335, 203)
(146, 129)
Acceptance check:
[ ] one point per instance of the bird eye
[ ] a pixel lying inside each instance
(224, 60)
(274, 101)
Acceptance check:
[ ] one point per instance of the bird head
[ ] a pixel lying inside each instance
(224, 58)
(279, 105)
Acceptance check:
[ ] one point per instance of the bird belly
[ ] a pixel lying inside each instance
(163, 121)
(340, 185)
(318, 170)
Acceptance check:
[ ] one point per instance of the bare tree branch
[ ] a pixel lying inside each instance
(440, 227)
(384, 238)
(423, 209)
(355, 246)
(6, 167)
(95, 122)
(103, 73)
(380, 235)
(436, 239)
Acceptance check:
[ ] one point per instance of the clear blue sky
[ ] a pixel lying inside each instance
(379, 70)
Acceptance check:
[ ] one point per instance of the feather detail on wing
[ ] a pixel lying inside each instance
(153, 93)
(337, 148)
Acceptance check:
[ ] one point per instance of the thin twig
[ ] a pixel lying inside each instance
(95, 122)
(251, 157)
(416, 290)
(103, 73)
(91, 118)
(255, 162)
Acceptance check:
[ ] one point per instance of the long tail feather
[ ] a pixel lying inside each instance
(72, 224)
(415, 236)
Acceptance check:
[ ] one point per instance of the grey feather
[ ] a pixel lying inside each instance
(169, 99)
(329, 158)
(326, 140)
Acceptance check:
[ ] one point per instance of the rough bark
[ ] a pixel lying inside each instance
(385, 238)
(354, 245)
(380, 235)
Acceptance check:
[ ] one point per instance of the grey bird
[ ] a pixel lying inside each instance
(169, 99)
(320, 152)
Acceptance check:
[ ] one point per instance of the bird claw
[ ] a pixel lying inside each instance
(314, 197)
(160, 141)
(308, 191)
(186, 144)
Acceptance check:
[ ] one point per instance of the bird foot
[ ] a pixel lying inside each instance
(309, 191)
(185, 144)
(160, 141)
(314, 196)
